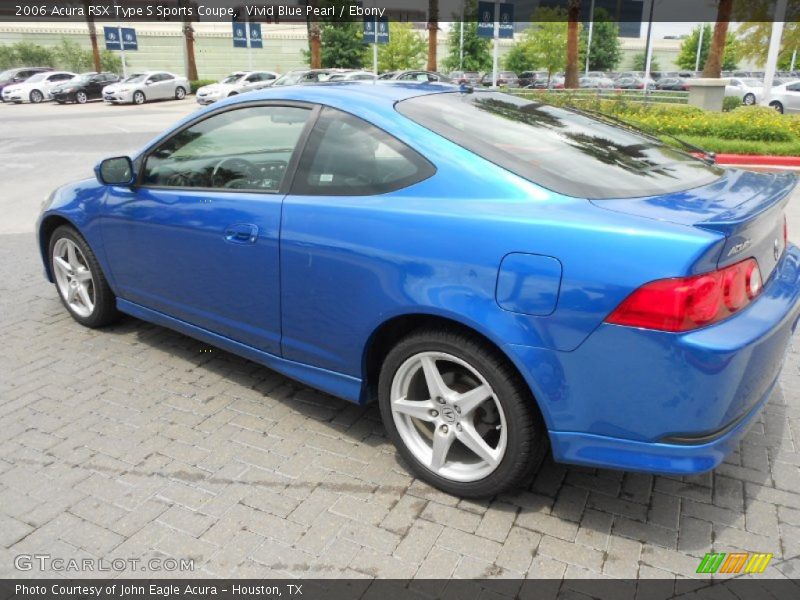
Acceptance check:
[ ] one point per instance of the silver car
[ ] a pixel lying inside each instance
(143, 87)
(37, 88)
(786, 97)
(235, 83)
(747, 89)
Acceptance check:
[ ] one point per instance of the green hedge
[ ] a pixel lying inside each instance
(198, 83)
(731, 129)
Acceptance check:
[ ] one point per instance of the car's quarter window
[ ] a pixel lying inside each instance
(247, 148)
(559, 149)
(346, 156)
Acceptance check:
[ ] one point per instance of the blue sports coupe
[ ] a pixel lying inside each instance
(502, 276)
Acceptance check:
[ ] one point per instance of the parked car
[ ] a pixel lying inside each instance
(506, 78)
(144, 87)
(633, 83)
(786, 98)
(298, 76)
(596, 82)
(555, 82)
(465, 77)
(748, 89)
(421, 76)
(18, 75)
(613, 314)
(675, 84)
(527, 78)
(352, 76)
(235, 83)
(597, 74)
(84, 87)
(37, 88)
(639, 74)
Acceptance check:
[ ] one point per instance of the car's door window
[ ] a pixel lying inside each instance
(346, 156)
(795, 87)
(166, 77)
(243, 149)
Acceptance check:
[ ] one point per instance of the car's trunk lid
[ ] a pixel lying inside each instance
(745, 206)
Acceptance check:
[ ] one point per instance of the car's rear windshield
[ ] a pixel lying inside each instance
(559, 149)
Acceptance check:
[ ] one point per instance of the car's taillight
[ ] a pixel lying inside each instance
(685, 303)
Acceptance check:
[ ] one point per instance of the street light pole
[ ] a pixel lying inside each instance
(589, 37)
(648, 52)
(699, 47)
(774, 50)
(495, 44)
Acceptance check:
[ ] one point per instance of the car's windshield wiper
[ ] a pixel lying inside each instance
(704, 155)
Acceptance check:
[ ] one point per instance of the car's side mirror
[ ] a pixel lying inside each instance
(115, 171)
(148, 82)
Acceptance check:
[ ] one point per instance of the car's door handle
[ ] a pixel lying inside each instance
(241, 233)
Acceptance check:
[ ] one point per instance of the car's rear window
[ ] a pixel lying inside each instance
(559, 149)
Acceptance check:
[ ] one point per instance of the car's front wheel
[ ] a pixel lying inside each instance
(80, 282)
(81, 98)
(180, 93)
(777, 106)
(749, 99)
(138, 97)
(459, 414)
(36, 96)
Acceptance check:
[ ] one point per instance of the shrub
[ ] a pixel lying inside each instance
(198, 83)
(730, 103)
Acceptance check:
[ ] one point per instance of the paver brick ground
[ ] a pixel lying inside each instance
(138, 442)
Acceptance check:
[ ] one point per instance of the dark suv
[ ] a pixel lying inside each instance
(87, 86)
(18, 75)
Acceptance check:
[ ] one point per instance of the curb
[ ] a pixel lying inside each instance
(758, 160)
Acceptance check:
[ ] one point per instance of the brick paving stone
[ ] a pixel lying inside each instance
(163, 450)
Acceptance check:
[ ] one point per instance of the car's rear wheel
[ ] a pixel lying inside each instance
(80, 282)
(81, 98)
(138, 97)
(36, 96)
(459, 414)
(777, 106)
(180, 93)
(749, 99)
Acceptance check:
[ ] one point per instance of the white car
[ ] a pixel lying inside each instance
(236, 83)
(747, 89)
(352, 76)
(786, 98)
(143, 87)
(36, 88)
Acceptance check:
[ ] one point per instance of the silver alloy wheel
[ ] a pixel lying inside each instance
(448, 416)
(138, 98)
(73, 277)
(80, 98)
(749, 99)
(36, 96)
(180, 93)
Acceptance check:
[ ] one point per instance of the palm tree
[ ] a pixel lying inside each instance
(573, 18)
(314, 39)
(713, 66)
(188, 34)
(92, 37)
(433, 29)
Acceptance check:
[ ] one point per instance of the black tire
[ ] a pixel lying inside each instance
(139, 97)
(105, 306)
(81, 97)
(527, 441)
(777, 106)
(180, 93)
(36, 96)
(749, 99)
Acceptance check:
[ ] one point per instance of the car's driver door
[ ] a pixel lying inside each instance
(197, 237)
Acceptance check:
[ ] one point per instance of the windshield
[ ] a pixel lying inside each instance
(233, 78)
(136, 78)
(7, 74)
(289, 78)
(37, 77)
(559, 149)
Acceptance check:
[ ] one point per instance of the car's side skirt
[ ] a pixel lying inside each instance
(337, 384)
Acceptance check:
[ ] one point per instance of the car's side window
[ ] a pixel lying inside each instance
(242, 149)
(795, 87)
(346, 156)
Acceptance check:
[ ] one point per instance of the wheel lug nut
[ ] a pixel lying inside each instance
(458, 409)
(458, 426)
(434, 413)
(445, 429)
(440, 400)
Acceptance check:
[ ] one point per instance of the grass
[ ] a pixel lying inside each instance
(723, 146)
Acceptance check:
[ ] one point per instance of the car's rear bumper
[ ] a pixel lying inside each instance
(666, 402)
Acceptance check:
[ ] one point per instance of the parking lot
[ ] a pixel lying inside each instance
(138, 442)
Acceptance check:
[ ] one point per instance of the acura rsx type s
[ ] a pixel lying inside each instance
(502, 276)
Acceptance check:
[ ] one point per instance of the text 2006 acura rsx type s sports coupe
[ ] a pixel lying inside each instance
(502, 276)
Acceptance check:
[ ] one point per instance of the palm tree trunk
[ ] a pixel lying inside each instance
(433, 29)
(93, 37)
(188, 34)
(315, 44)
(573, 15)
(713, 66)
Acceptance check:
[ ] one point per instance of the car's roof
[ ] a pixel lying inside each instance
(348, 93)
